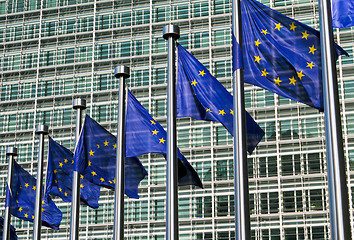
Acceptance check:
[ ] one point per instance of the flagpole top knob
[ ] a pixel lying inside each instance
(122, 70)
(42, 129)
(171, 31)
(11, 151)
(79, 103)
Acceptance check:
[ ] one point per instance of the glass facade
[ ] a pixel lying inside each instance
(52, 51)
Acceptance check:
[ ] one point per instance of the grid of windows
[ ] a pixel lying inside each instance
(52, 51)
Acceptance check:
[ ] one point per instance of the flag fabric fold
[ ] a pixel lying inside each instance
(95, 159)
(145, 135)
(281, 54)
(342, 13)
(60, 177)
(201, 96)
(24, 197)
(13, 235)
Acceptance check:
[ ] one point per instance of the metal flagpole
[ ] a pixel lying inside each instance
(338, 190)
(78, 104)
(41, 130)
(120, 72)
(171, 33)
(11, 152)
(242, 210)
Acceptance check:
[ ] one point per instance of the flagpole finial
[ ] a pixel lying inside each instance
(171, 30)
(11, 151)
(42, 129)
(79, 103)
(122, 70)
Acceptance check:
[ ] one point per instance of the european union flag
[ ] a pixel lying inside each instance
(343, 13)
(13, 235)
(201, 96)
(281, 55)
(60, 177)
(95, 158)
(145, 135)
(24, 197)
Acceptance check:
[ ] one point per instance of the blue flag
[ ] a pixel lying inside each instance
(13, 235)
(95, 158)
(201, 96)
(145, 135)
(24, 197)
(343, 13)
(60, 177)
(281, 55)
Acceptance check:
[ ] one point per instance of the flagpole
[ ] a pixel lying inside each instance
(120, 72)
(338, 189)
(242, 210)
(171, 33)
(78, 104)
(11, 152)
(41, 130)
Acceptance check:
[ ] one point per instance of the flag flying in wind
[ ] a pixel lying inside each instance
(60, 177)
(24, 197)
(201, 96)
(343, 13)
(13, 235)
(95, 158)
(281, 54)
(145, 135)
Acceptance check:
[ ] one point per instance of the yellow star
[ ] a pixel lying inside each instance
(202, 73)
(292, 80)
(98, 146)
(34, 188)
(55, 171)
(66, 194)
(81, 176)
(105, 143)
(222, 112)
(91, 153)
(81, 186)
(162, 140)
(208, 110)
(257, 43)
(26, 185)
(42, 202)
(89, 163)
(32, 216)
(277, 81)
(110, 181)
(20, 209)
(60, 164)
(102, 179)
(265, 32)
(17, 201)
(155, 132)
(60, 189)
(56, 181)
(152, 122)
(114, 146)
(231, 111)
(93, 173)
(278, 26)
(72, 161)
(310, 65)
(26, 215)
(312, 49)
(292, 27)
(264, 73)
(65, 160)
(114, 180)
(300, 75)
(194, 83)
(305, 35)
(257, 58)
(42, 209)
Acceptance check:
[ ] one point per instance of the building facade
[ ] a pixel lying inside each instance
(52, 51)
